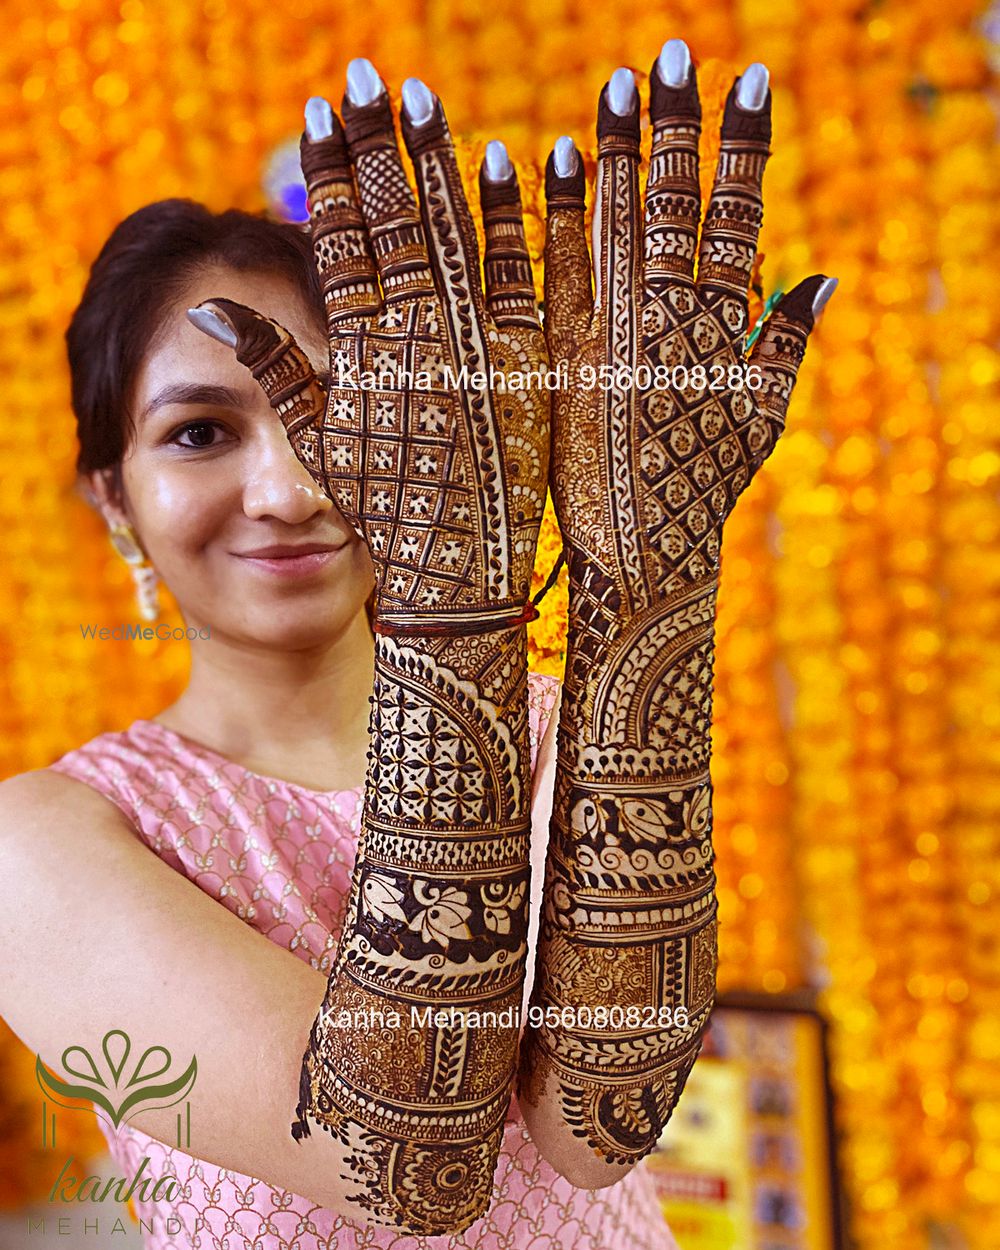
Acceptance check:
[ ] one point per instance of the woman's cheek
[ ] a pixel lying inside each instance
(180, 514)
(186, 510)
(363, 567)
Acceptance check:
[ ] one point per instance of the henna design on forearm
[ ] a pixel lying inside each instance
(437, 922)
(643, 478)
(630, 914)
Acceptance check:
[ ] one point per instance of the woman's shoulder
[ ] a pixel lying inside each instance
(121, 765)
(37, 787)
(102, 777)
(140, 741)
(30, 800)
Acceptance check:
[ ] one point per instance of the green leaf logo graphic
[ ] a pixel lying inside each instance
(109, 1086)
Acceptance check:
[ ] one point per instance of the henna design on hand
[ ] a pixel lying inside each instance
(446, 485)
(643, 479)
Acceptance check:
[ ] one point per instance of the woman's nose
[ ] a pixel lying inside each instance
(277, 484)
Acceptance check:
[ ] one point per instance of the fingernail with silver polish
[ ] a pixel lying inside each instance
(566, 158)
(213, 325)
(319, 118)
(418, 100)
(621, 92)
(363, 82)
(674, 63)
(823, 294)
(497, 162)
(752, 91)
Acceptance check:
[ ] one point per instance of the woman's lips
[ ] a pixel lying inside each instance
(303, 561)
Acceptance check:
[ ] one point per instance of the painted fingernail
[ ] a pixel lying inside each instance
(418, 100)
(566, 158)
(752, 91)
(823, 294)
(319, 118)
(497, 162)
(213, 325)
(621, 92)
(674, 63)
(363, 82)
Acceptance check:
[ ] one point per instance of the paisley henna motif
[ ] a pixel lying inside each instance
(643, 478)
(445, 481)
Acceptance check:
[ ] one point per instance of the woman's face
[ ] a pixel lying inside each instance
(235, 526)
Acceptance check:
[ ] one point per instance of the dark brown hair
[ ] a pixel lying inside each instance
(141, 270)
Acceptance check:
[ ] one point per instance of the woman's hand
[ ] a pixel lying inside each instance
(644, 475)
(646, 471)
(444, 475)
(442, 472)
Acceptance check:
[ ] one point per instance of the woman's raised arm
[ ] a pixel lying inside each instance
(97, 933)
(442, 471)
(645, 472)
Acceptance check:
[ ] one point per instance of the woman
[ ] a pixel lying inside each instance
(207, 769)
(247, 786)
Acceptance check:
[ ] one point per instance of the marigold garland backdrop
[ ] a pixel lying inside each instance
(857, 707)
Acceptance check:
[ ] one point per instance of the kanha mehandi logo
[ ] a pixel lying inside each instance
(116, 1090)
(115, 1084)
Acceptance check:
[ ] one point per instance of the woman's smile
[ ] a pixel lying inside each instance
(292, 559)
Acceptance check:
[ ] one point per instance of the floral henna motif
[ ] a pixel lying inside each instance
(644, 476)
(445, 481)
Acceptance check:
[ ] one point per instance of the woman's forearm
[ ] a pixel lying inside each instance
(628, 954)
(98, 933)
(92, 919)
(436, 929)
(447, 487)
(644, 476)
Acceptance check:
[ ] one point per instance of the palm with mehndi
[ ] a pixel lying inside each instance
(445, 481)
(644, 475)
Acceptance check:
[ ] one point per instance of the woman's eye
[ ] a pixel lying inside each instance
(196, 434)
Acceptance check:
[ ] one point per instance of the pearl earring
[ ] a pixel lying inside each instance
(125, 541)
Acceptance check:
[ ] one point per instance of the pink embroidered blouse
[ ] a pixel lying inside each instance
(280, 856)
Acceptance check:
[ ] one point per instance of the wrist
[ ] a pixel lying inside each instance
(641, 602)
(412, 625)
(602, 645)
(450, 736)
